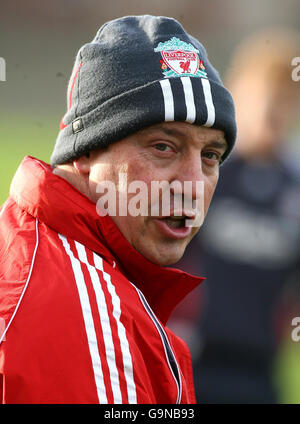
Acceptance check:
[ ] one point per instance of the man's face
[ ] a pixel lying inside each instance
(172, 151)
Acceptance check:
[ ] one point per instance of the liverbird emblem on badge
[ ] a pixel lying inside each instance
(180, 59)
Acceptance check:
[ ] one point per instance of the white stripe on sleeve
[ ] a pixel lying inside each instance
(168, 99)
(88, 321)
(105, 324)
(189, 99)
(127, 360)
(211, 114)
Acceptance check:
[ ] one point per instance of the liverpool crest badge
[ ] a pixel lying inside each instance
(180, 59)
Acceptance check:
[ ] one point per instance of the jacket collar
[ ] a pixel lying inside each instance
(55, 202)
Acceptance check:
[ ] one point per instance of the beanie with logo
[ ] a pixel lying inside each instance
(140, 71)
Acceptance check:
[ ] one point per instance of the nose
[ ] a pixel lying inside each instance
(190, 176)
(188, 192)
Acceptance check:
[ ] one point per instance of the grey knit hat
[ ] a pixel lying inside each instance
(139, 71)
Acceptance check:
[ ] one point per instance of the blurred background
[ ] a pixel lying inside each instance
(39, 41)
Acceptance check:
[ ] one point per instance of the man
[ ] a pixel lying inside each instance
(251, 237)
(84, 295)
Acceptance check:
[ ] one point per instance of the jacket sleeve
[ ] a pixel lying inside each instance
(1, 388)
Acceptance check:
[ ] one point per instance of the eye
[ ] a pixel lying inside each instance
(213, 156)
(162, 147)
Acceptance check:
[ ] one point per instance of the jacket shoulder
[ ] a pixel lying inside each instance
(18, 237)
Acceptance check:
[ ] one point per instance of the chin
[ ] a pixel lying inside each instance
(164, 258)
(160, 251)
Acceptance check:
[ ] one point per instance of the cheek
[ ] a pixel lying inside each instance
(97, 175)
(139, 181)
(100, 172)
(209, 189)
(138, 170)
(110, 171)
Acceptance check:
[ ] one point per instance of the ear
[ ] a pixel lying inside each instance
(82, 164)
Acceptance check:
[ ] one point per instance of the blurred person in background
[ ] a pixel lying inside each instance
(249, 246)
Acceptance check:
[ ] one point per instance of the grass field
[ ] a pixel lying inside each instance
(33, 137)
(36, 137)
(287, 373)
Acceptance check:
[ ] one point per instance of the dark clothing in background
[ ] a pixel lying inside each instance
(248, 249)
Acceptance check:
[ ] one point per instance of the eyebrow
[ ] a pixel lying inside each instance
(219, 144)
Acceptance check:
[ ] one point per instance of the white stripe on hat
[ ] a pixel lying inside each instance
(88, 321)
(189, 99)
(127, 360)
(211, 114)
(168, 99)
(105, 324)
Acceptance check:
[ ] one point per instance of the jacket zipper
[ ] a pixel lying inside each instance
(171, 359)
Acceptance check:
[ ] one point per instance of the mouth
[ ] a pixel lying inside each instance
(175, 221)
(174, 226)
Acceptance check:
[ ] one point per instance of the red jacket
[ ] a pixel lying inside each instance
(83, 314)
